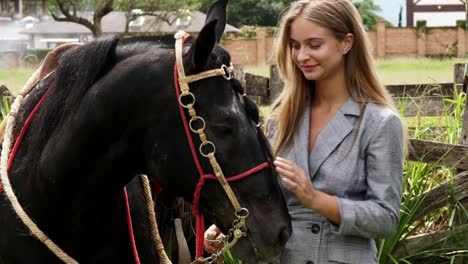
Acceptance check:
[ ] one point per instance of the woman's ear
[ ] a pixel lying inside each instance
(348, 42)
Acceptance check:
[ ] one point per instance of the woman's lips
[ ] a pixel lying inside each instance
(309, 68)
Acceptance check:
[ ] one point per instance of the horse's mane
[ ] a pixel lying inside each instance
(77, 70)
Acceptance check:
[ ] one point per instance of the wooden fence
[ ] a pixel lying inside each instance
(422, 100)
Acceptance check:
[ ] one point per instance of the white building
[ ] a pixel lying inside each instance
(48, 33)
(436, 13)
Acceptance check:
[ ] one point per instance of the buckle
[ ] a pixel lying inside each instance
(180, 34)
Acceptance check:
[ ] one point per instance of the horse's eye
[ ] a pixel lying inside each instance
(223, 129)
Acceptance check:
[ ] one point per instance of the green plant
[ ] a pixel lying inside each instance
(228, 258)
(5, 108)
(419, 179)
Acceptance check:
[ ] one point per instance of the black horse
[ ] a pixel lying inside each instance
(112, 113)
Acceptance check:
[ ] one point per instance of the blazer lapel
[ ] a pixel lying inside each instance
(332, 135)
(299, 148)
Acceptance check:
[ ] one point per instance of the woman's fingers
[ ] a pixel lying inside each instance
(213, 239)
(284, 168)
(287, 169)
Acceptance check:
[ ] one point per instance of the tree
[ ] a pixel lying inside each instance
(163, 10)
(267, 12)
(73, 11)
(400, 16)
(89, 13)
(465, 2)
(367, 9)
(252, 12)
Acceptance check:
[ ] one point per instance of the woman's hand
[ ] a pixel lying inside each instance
(296, 180)
(213, 239)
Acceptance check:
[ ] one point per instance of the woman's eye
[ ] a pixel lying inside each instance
(295, 46)
(314, 46)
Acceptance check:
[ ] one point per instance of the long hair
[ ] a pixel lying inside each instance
(341, 18)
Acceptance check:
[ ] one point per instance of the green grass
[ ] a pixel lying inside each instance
(401, 71)
(416, 71)
(14, 79)
(391, 71)
(258, 70)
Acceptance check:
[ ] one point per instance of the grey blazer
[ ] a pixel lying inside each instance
(363, 168)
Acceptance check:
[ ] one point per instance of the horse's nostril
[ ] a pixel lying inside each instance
(284, 236)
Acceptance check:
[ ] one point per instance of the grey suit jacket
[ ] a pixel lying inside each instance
(362, 167)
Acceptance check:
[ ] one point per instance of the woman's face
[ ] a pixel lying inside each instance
(315, 50)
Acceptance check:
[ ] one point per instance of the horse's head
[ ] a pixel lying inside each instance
(230, 123)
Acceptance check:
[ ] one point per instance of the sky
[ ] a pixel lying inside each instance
(390, 10)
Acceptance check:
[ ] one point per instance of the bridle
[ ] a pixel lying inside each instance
(207, 149)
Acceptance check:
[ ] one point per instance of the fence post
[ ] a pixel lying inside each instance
(461, 76)
(461, 40)
(239, 74)
(276, 84)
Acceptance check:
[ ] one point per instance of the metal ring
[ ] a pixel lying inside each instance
(202, 122)
(183, 95)
(242, 213)
(228, 74)
(207, 154)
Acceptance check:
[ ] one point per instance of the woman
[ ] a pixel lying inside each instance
(337, 136)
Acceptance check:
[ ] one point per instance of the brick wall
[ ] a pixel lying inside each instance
(401, 42)
(243, 51)
(386, 43)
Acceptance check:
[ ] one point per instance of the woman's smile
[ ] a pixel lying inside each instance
(309, 68)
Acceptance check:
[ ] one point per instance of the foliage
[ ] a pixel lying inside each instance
(163, 10)
(400, 17)
(252, 12)
(250, 32)
(465, 2)
(5, 108)
(421, 177)
(89, 13)
(367, 9)
(268, 12)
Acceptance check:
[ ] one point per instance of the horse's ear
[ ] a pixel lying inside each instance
(204, 45)
(217, 11)
(210, 34)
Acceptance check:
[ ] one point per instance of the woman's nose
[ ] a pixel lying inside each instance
(303, 54)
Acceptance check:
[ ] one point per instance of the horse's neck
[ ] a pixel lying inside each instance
(69, 202)
(96, 222)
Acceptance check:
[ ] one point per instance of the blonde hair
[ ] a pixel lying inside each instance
(340, 17)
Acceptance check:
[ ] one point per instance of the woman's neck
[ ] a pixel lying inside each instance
(331, 92)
